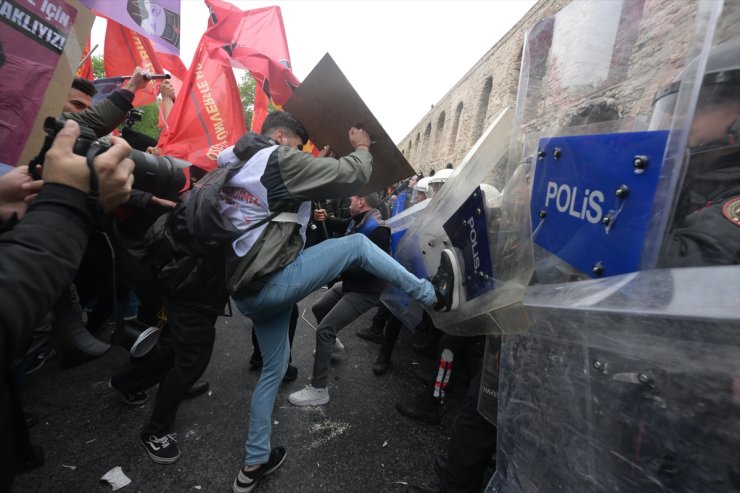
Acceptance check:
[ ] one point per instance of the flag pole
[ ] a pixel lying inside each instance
(89, 54)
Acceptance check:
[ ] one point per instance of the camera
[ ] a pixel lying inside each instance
(161, 176)
(134, 115)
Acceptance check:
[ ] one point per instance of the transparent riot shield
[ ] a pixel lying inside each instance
(485, 229)
(628, 376)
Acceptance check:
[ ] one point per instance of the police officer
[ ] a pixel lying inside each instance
(706, 225)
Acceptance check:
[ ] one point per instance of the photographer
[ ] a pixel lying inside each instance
(41, 246)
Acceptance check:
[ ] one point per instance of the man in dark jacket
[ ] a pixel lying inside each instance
(39, 255)
(107, 114)
(358, 292)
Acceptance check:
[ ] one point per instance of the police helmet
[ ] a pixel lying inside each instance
(720, 85)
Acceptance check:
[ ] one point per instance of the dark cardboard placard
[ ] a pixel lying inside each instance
(328, 105)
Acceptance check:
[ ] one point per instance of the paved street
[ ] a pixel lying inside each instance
(356, 443)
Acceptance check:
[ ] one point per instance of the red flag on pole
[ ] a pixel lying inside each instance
(207, 116)
(124, 51)
(260, 109)
(253, 40)
(86, 69)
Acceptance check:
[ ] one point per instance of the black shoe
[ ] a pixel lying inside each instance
(372, 334)
(36, 359)
(68, 324)
(290, 374)
(381, 365)
(198, 388)
(162, 449)
(135, 399)
(247, 481)
(425, 409)
(255, 362)
(448, 296)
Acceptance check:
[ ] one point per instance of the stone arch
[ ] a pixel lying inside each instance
(439, 130)
(485, 96)
(418, 143)
(456, 125)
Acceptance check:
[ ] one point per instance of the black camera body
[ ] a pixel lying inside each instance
(133, 116)
(161, 176)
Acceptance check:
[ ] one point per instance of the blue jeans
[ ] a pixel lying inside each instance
(270, 313)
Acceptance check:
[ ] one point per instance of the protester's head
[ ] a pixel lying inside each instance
(372, 200)
(362, 203)
(283, 128)
(80, 95)
(448, 166)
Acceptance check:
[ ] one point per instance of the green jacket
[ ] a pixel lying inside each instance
(280, 180)
(105, 116)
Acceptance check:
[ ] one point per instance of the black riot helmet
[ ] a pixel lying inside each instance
(720, 89)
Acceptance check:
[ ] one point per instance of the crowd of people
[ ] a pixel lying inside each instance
(281, 223)
(269, 226)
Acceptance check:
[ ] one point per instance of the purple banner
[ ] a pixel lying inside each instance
(157, 20)
(33, 34)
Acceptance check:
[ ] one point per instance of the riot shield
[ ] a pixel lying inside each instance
(628, 377)
(486, 230)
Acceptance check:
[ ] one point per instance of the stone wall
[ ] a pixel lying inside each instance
(454, 124)
(661, 31)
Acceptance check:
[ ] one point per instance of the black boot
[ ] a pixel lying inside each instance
(255, 362)
(372, 334)
(290, 374)
(425, 408)
(382, 363)
(68, 324)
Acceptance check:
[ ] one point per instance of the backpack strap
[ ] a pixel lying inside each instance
(267, 219)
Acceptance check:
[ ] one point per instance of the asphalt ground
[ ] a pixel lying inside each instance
(356, 443)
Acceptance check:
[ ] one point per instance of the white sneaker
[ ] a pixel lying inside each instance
(309, 396)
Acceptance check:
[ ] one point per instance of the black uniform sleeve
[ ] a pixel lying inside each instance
(710, 236)
(38, 260)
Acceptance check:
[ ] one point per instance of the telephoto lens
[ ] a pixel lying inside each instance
(161, 176)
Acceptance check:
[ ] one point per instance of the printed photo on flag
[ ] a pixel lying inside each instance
(158, 20)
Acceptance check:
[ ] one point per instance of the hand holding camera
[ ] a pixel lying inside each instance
(159, 175)
(112, 166)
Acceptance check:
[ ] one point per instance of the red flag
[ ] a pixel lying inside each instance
(253, 40)
(207, 116)
(260, 109)
(86, 69)
(173, 64)
(124, 51)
